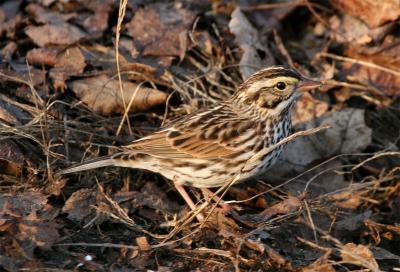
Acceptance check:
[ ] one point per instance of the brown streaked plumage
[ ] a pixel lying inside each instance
(212, 146)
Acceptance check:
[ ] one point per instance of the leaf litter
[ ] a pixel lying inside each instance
(329, 204)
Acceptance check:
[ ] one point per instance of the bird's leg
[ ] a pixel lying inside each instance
(208, 193)
(188, 200)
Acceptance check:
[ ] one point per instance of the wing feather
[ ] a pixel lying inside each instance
(200, 139)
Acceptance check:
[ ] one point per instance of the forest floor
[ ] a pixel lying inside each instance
(331, 202)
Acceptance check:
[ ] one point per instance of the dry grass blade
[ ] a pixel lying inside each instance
(121, 15)
(361, 62)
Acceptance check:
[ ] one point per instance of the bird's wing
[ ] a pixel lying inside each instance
(210, 134)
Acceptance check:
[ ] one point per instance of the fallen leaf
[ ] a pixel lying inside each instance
(28, 224)
(358, 254)
(351, 222)
(11, 158)
(57, 34)
(10, 19)
(100, 56)
(97, 23)
(308, 108)
(386, 55)
(43, 56)
(255, 54)
(347, 29)
(278, 259)
(322, 264)
(42, 15)
(38, 232)
(347, 199)
(287, 206)
(25, 72)
(69, 63)
(8, 51)
(153, 197)
(374, 13)
(383, 254)
(8, 113)
(160, 29)
(142, 243)
(78, 205)
(348, 134)
(102, 95)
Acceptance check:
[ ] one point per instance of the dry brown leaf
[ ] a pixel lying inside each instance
(142, 243)
(69, 63)
(101, 56)
(27, 223)
(43, 56)
(102, 95)
(348, 134)
(360, 255)
(42, 15)
(320, 265)
(255, 54)
(287, 206)
(374, 13)
(9, 114)
(348, 29)
(8, 51)
(28, 73)
(11, 158)
(10, 19)
(386, 55)
(55, 34)
(96, 23)
(278, 259)
(347, 199)
(37, 231)
(161, 29)
(78, 205)
(308, 108)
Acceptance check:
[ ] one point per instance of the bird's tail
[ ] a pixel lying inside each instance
(90, 164)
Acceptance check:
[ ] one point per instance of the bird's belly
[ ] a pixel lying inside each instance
(196, 173)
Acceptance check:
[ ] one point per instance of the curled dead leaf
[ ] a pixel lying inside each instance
(347, 199)
(308, 108)
(69, 63)
(78, 204)
(348, 134)
(387, 56)
(161, 29)
(321, 264)
(43, 56)
(346, 29)
(255, 54)
(60, 34)
(11, 158)
(374, 13)
(103, 95)
(359, 255)
(287, 206)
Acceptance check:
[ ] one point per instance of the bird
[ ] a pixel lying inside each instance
(214, 145)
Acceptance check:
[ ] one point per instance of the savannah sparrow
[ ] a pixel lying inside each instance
(213, 146)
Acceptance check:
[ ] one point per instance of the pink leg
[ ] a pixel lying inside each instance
(208, 193)
(188, 200)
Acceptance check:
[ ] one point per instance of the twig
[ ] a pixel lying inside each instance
(361, 62)
(391, 153)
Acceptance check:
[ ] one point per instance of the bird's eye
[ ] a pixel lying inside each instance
(280, 85)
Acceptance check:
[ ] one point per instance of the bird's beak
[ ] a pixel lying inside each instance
(307, 84)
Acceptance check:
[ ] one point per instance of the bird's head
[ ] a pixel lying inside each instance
(273, 90)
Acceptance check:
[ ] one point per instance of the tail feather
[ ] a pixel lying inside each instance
(90, 164)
